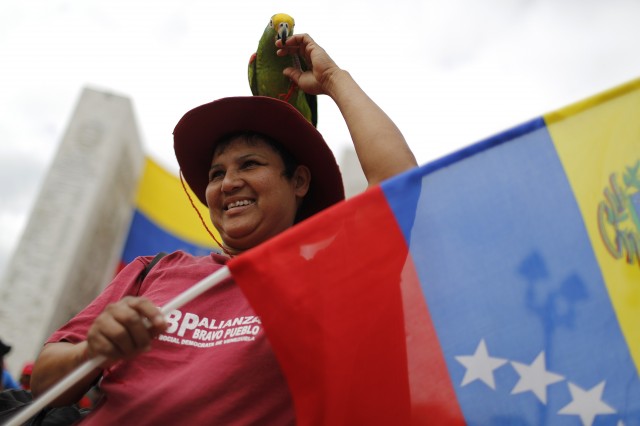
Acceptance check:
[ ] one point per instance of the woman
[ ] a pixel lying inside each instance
(260, 168)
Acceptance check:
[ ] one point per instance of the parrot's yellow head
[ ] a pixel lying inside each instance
(283, 25)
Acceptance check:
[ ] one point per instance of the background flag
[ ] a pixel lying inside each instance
(162, 220)
(498, 285)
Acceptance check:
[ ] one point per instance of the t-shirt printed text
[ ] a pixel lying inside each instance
(190, 330)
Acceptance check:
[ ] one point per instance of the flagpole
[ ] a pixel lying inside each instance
(84, 369)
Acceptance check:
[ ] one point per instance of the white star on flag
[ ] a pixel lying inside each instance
(535, 378)
(480, 366)
(587, 404)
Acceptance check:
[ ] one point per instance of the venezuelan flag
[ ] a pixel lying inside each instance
(163, 219)
(498, 285)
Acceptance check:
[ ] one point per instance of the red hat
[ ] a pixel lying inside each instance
(27, 369)
(199, 130)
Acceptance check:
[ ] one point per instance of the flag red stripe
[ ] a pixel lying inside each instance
(329, 295)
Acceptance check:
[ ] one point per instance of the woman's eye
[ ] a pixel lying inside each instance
(249, 163)
(215, 175)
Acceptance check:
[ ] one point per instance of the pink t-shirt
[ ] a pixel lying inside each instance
(213, 365)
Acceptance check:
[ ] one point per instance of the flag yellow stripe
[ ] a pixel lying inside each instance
(598, 142)
(162, 199)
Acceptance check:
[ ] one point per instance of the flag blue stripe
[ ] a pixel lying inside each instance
(147, 238)
(503, 256)
(402, 191)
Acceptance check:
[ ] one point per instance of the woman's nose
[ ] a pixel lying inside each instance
(231, 181)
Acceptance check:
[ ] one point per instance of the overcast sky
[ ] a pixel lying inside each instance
(449, 72)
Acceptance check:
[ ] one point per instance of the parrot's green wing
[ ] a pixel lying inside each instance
(312, 100)
(252, 75)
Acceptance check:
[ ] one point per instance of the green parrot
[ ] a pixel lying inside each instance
(265, 69)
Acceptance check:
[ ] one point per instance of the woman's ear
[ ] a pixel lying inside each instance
(301, 181)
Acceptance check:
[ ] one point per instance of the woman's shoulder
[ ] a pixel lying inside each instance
(176, 270)
(180, 259)
(180, 256)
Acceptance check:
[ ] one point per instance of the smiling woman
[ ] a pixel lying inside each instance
(251, 195)
(260, 167)
(198, 134)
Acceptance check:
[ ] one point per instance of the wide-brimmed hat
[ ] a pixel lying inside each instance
(199, 130)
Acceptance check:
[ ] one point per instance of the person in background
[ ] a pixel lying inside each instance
(7, 381)
(25, 376)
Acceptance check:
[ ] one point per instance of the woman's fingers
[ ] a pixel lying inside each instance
(125, 328)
